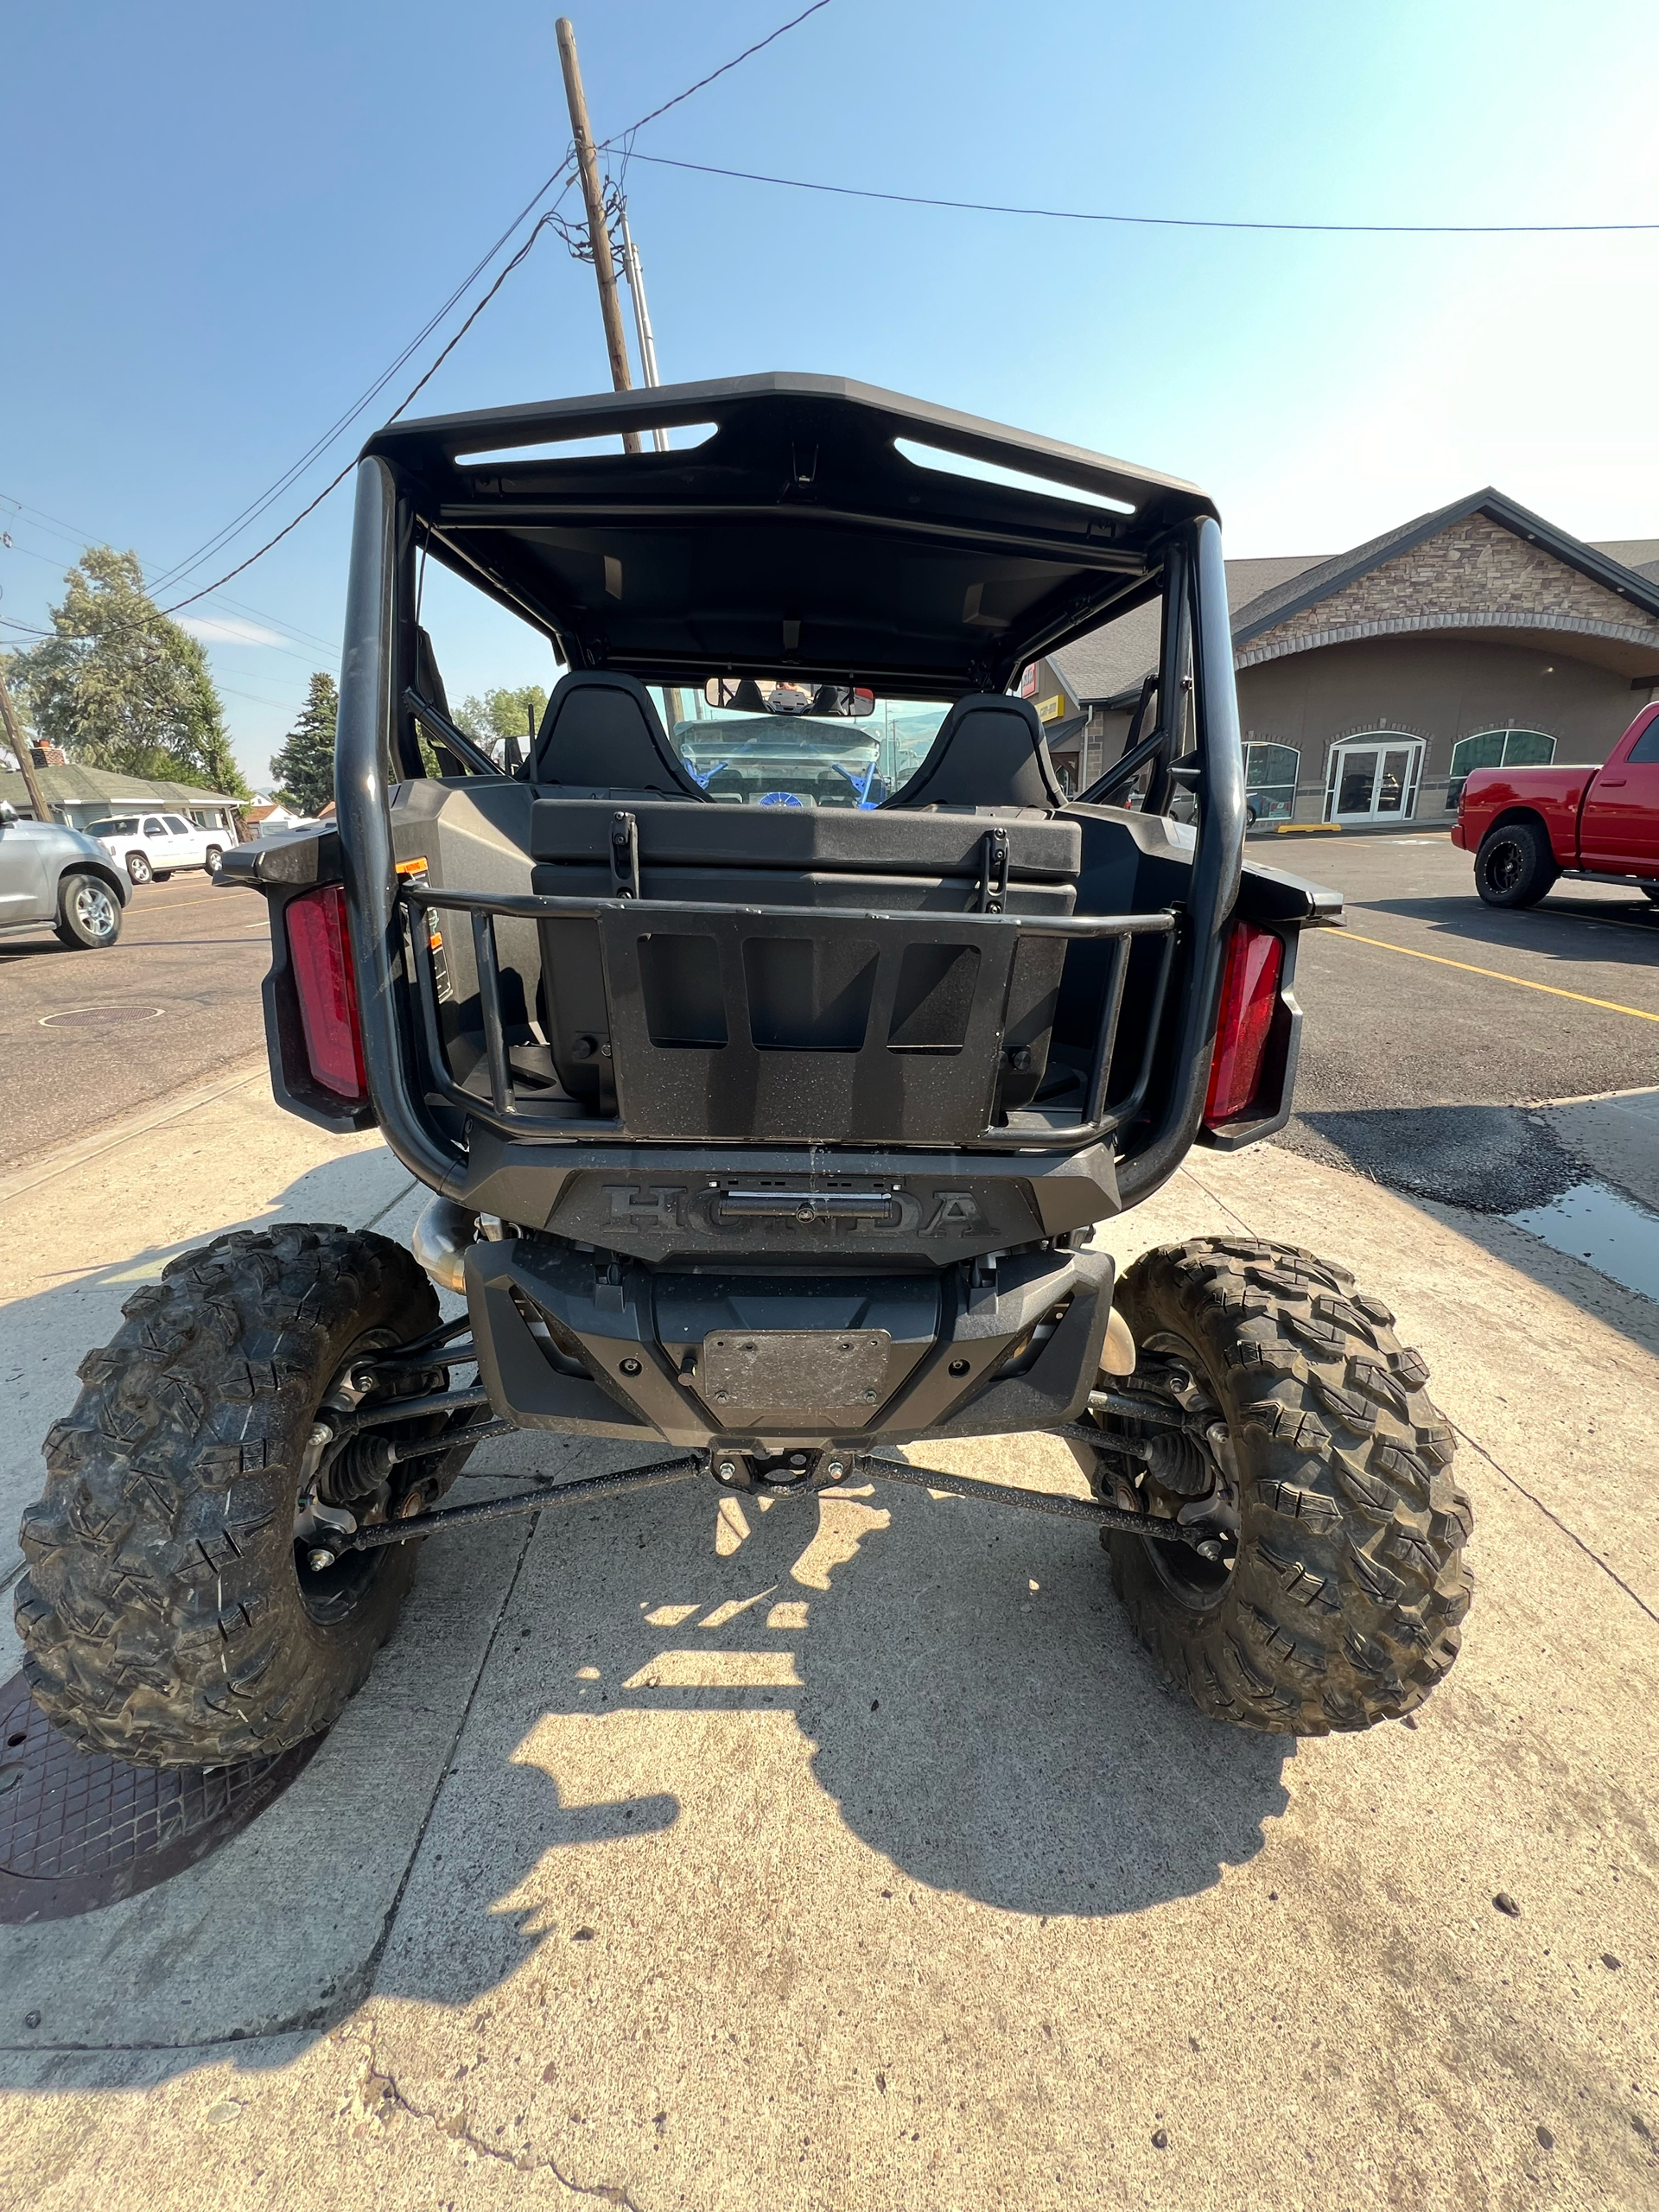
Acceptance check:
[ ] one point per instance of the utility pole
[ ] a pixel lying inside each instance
(599, 235)
(19, 745)
(636, 279)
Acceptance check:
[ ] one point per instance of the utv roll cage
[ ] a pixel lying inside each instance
(823, 548)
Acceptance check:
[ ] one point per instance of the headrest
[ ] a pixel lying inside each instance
(600, 732)
(990, 751)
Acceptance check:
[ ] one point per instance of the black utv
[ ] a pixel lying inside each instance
(763, 1138)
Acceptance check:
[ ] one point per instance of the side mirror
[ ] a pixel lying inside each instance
(7, 814)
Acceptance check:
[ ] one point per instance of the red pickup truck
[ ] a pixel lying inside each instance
(1527, 826)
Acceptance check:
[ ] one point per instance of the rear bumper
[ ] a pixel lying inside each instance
(568, 1340)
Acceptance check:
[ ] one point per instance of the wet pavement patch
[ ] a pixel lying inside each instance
(78, 1830)
(1618, 1238)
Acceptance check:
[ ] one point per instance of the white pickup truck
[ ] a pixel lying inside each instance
(150, 846)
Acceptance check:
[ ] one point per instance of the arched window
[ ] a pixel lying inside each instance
(1496, 748)
(1270, 774)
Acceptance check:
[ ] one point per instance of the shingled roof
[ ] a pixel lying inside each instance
(1108, 665)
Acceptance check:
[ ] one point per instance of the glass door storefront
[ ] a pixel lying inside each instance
(1373, 778)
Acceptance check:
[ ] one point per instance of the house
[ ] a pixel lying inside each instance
(76, 796)
(1371, 682)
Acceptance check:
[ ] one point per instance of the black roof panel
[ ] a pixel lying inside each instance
(797, 536)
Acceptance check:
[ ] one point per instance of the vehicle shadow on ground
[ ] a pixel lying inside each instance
(1464, 917)
(972, 1702)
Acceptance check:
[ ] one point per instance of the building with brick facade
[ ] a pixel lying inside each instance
(1371, 682)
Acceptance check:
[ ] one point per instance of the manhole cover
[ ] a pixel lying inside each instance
(100, 1017)
(78, 1830)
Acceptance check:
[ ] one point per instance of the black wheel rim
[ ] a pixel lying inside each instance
(1505, 864)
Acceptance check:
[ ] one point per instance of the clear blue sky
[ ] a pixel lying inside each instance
(220, 224)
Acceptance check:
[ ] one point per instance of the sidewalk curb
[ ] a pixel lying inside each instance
(116, 1133)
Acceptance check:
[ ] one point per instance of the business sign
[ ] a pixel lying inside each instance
(1050, 710)
(1028, 683)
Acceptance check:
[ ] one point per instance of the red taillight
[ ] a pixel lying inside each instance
(1249, 992)
(321, 953)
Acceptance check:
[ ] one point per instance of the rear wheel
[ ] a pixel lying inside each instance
(171, 1613)
(89, 914)
(1334, 1583)
(1514, 866)
(138, 867)
(211, 859)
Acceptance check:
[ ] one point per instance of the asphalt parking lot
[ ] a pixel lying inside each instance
(86, 1036)
(1436, 1028)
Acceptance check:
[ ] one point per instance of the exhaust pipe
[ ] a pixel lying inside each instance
(439, 1241)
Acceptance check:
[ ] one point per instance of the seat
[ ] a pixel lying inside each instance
(990, 752)
(601, 736)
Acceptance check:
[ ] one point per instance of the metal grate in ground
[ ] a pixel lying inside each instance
(78, 1830)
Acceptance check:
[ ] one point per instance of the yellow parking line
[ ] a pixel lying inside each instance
(1610, 1006)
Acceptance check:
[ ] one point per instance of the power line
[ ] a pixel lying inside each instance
(704, 81)
(178, 573)
(267, 499)
(1154, 222)
(72, 534)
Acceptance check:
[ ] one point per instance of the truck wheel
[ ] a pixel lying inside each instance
(1514, 866)
(88, 917)
(138, 867)
(212, 857)
(1336, 1583)
(169, 1614)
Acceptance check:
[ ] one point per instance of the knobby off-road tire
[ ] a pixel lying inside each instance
(1342, 1606)
(163, 1613)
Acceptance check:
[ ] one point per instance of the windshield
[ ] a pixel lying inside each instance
(797, 759)
(118, 825)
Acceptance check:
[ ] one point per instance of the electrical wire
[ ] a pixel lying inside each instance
(1154, 222)
(182, 569)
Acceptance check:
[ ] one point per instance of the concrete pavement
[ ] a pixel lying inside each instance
(852, 1854)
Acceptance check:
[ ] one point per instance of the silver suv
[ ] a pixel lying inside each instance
(56, 879)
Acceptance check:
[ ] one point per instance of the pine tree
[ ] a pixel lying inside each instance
(305, 766)
(117, 685)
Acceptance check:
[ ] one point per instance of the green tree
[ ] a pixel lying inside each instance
(503, 712)
(305, 765)
(117, 685)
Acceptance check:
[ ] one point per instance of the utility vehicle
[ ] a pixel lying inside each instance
(762, 1138)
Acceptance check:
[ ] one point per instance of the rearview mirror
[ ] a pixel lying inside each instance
(787, 695)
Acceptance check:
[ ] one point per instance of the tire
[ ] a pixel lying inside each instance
(1339, 1605)
(138, 867)
(214, 854)
(166, 1615)
(89, 913)
(1514, 866)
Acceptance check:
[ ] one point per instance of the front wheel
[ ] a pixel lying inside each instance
(1330, 1584)
(89, 916)
(175, 1611)
(138, 867)
(1514, 866)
